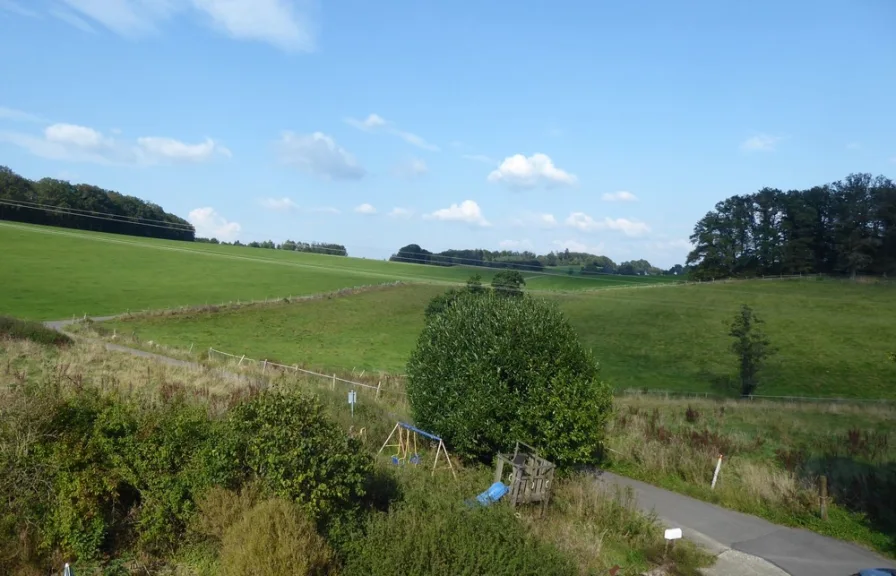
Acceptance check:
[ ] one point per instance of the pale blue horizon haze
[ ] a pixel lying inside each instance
(608, 127)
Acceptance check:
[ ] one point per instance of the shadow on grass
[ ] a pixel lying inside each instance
(863, 488)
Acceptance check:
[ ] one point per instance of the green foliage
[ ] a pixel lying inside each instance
(429, 535)
(441, 302)
(299, 453)
(272, 539)
(508, 283)
(491, 370)
(892, 356)
(34, 331)
(474, 284)
(751, 346)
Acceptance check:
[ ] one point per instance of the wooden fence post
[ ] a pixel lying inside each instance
(823, 493)
(333, 385)
(378, 384)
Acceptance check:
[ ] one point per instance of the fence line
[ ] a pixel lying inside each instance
(295, 368)
(716, 396)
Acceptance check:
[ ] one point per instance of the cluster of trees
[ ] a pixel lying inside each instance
(847, 227)
(313, 247)
(59, 203)
(574, 262)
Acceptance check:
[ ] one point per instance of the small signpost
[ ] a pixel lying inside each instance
(671, 535)
(352, 398)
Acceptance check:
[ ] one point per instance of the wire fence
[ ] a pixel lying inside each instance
(332, 378)
(716, 396)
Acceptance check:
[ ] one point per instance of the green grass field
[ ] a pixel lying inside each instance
(833, 337)
(55, 273)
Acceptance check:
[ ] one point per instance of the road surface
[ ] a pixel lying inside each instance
(797, 552)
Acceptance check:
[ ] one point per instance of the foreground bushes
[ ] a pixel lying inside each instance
(34, 331)
(488, 371)
(91, 475)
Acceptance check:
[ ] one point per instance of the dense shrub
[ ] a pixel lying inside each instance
(489, 370)
(422, 537)
(299, 453)
(272, 539)
(34, 331)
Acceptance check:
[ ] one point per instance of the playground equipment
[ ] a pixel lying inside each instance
(531, 477)
(406, 446)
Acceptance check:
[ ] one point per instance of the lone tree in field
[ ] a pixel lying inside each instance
(442, 301)
(751, 346)
(508, 283)
(489, 370)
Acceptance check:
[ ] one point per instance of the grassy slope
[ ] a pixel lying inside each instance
(56, 273)
(664, 337)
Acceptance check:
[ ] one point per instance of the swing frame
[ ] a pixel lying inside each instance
(407, 436)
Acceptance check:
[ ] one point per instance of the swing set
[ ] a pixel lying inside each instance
(406, 446)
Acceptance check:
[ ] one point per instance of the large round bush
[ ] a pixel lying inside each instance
(488, 371)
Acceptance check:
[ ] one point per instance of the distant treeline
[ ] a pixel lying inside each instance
(313, 247)
(847, 227)
(573, 262)
(59, 203)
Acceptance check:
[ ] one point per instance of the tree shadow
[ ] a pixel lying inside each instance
(860, 486)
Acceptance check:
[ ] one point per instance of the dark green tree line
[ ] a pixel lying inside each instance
(847, 227)
(53, 202)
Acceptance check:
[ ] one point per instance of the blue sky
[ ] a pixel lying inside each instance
(610, 127)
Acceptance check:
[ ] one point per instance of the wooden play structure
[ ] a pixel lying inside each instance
(406, 446)
(531, 477)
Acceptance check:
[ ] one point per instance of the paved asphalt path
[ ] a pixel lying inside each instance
(797, 552)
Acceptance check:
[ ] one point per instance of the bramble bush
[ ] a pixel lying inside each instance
(490, 370)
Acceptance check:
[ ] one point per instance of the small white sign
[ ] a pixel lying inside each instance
(351, 397)
(673, 533)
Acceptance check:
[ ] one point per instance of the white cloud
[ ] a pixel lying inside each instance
(411, 168)
(210, 224)
(763, 142)
(467, 211)
(480, 158)
(16, 8)
(530, 219)
(514, 244)
(287, 24)
(375, 122)
(73, 20)
(319, 154)
(279, 204)
(401, 213)
(365, 209)
(586, 223)
(576, 246)
(621, 196)
(159, 148)
(19, 116)
(538, 169)
(71, 142)
(369, 123)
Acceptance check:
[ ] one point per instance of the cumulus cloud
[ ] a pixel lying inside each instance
(160, 148)
(527, 172)
(586, 223)
(319, 154)
(621, 196)
(375, 122)
(75, 143)
(515, 244)
(761, 142)
(279, 204)
(365, 209)
(401, 212)
(210, 224)
(467, 211)
(286, 24)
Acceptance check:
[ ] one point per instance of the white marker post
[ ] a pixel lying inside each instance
(715, 475)
(352, 398)
(671, 535)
